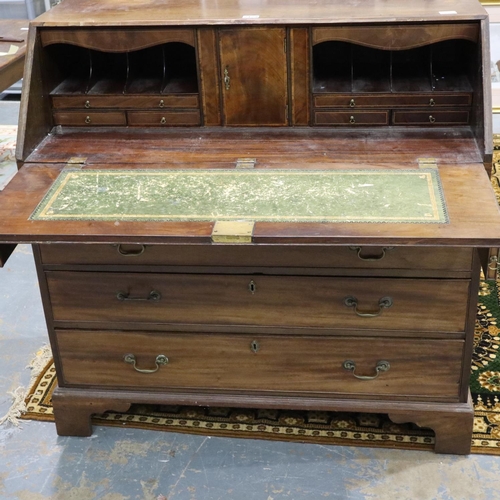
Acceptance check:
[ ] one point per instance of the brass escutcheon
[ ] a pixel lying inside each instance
(254, 346)
(252, 287)
(381, 366)
(383, 303)
(160, 360)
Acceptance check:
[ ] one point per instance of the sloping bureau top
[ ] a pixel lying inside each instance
(196, 12)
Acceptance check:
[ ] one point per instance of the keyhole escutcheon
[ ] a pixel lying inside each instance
(252, 287)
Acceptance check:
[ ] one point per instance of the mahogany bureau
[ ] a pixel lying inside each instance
(371, 315)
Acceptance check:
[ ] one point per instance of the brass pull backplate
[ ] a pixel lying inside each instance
(383, 303)
(381, 366)
(131, 253)
(153, 296)
(160, 360)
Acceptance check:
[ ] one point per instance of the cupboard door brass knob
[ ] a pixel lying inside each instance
(381, 366)
(370, 258)
(161, 104)
(227, 79)
(432, 119)
(87, 104)
(87, 119)
(383, 303)
(352, 103)
(127, 253)
(153, 296)
(352, 119)
(252, 287)
(432, 102)
(160, 360)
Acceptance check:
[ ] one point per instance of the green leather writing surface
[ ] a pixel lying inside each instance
(249, 194)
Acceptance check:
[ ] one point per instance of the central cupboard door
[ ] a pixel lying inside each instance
(254, 76)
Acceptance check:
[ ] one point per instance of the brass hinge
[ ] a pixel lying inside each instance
(232, 231)
(427, 163)
(246, 162)
(76, 162)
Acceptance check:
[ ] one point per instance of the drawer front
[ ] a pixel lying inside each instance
(353, 118)
(426, 368)
(121, 102)
(273, 301)
(391, 100)
(430, 117)
(89, 119)
(419, 258)
(159, 119)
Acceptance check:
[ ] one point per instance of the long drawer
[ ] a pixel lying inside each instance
(426, 368)
(265, 301)
(163, 118)
(360, 257)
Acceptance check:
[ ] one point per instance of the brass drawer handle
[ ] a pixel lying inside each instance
(160, 360)
(383, 303)
(371, 259)
(432, 119)
(162, 103)
(87, 104)
(352, 103)
(352, 119)
(131, 253)
(227, 78)
(432, 102)
(382, 366)
(493, 263)
(87, 119)
(153, 296)
(163, 120)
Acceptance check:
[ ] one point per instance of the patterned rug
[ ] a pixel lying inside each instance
(323, 427)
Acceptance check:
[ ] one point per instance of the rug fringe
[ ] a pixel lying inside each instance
(19, 395)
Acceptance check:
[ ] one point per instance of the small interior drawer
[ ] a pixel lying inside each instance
(254, 363)
(126, 102)
(89, 118)
(430, 117)
(159, 119)
(354, 101)
(352, 118)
